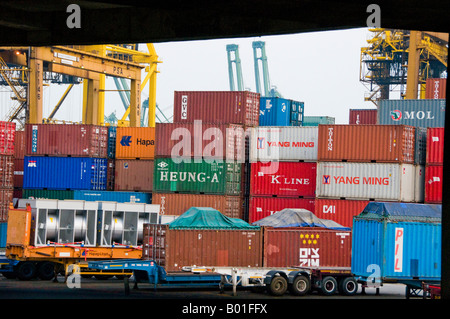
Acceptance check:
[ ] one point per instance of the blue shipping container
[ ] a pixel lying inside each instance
(274, 111)
(114, 196)
(297, 112)
(64, 173)
(397, 242)
(112, 132)
(3, 229)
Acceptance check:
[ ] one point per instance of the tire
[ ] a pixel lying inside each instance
(26, 270)
(46, 270)
(300, 286)
(278, 286)
(329, 286)
(348, 286)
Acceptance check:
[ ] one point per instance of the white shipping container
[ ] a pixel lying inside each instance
(419, 187)
(366, 181)
(283, 143)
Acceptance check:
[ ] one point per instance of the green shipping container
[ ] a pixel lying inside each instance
(203, 177)
(316, 120)
(47, 194)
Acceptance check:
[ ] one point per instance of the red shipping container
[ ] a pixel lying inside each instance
(238, 107)
(339, 210)
(435, 88)
(189, 140)
(67, 140)
(6, 197)
(261, 207)
(18, 172)
(7, 135)
(435, 145)
(19, 144)
(312, 247)
(6, 171)
(433, 184)
(362, 116)
(283, 179)
(133, 175)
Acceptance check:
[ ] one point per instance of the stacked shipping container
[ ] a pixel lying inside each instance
(434, 165)
(7, 136)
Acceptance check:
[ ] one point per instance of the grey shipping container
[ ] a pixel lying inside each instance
(418, 113)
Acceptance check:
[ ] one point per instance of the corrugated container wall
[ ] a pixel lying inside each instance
(203, 177)
(307, 247)
(366, 181)
(18, 172)
(278, 143)
(366, 143)
(420, 147)
(66, 140)
(433, 183)
(3, 230)
(436, 88)
(64, 173)
(135, 143)
(362, 116)
(419, 184)
(47, 194)
(7, 136)
(274, 111)
(133, 175)
(283, 179)
(176, 248)
(261, 207)
(20, 144)
(6, 171)
(116, 196)
(297, 113)
(112, 132)
(6, 197)
(238, 107)
(417, 113)
(435, 145)
(178, 204)
(317, 120)
(340, 210)
(189, 140)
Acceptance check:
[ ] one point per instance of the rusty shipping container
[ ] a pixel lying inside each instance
(238, 107)
(435, 145)
(20, 144)
(198, 139)
(7, 137)
(433, 184)
(6, 197)
(362, 116)
(436, 88)
(78, 140)
(339, 210)
(261, 207)
(133, 175)
(366, 143)
(176, 248)
(283, 179)
(313, 247)
(6, 171)
(178, 204)
(18, 172)
(135, 143)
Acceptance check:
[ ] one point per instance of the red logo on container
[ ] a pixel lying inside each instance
(326, 179)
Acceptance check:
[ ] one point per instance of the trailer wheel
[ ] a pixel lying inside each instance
(329, 286)
(26, 270)
(278, 286)
(46, 270)
(300, 286)
(348, 286)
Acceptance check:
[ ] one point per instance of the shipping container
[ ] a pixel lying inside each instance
(120, 197)
(435, 88)
(283, 179)
(198, 177)
(175, 248)
(178, 204)
(18, 172)
(20, 144)
(17, 193)
(397, 242)
(64, 173)
(317, 120)
(47, 194)
(79, 140)
(110, 174)
(310, 247)
(366, 143)
(135, 143)
(237, 107)
(6, 198)
(198, 139)
(433, 183)
(278, 143)
(366, 181)
(417, 113)
(133, 175)
(362, 116)
(297, 113)
(112, 132)
(7, 137)
(420, 146)
(274, 111)
(261, 207)
(3, 230)
(339, 210)
(6, 171)
(435, 145)
(419, 184)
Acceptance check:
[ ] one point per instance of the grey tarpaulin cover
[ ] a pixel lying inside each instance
(293, 217)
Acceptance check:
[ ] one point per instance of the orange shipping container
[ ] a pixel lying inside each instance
(135, 143)
(435, 88)
(367, 143)
(178, 204)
